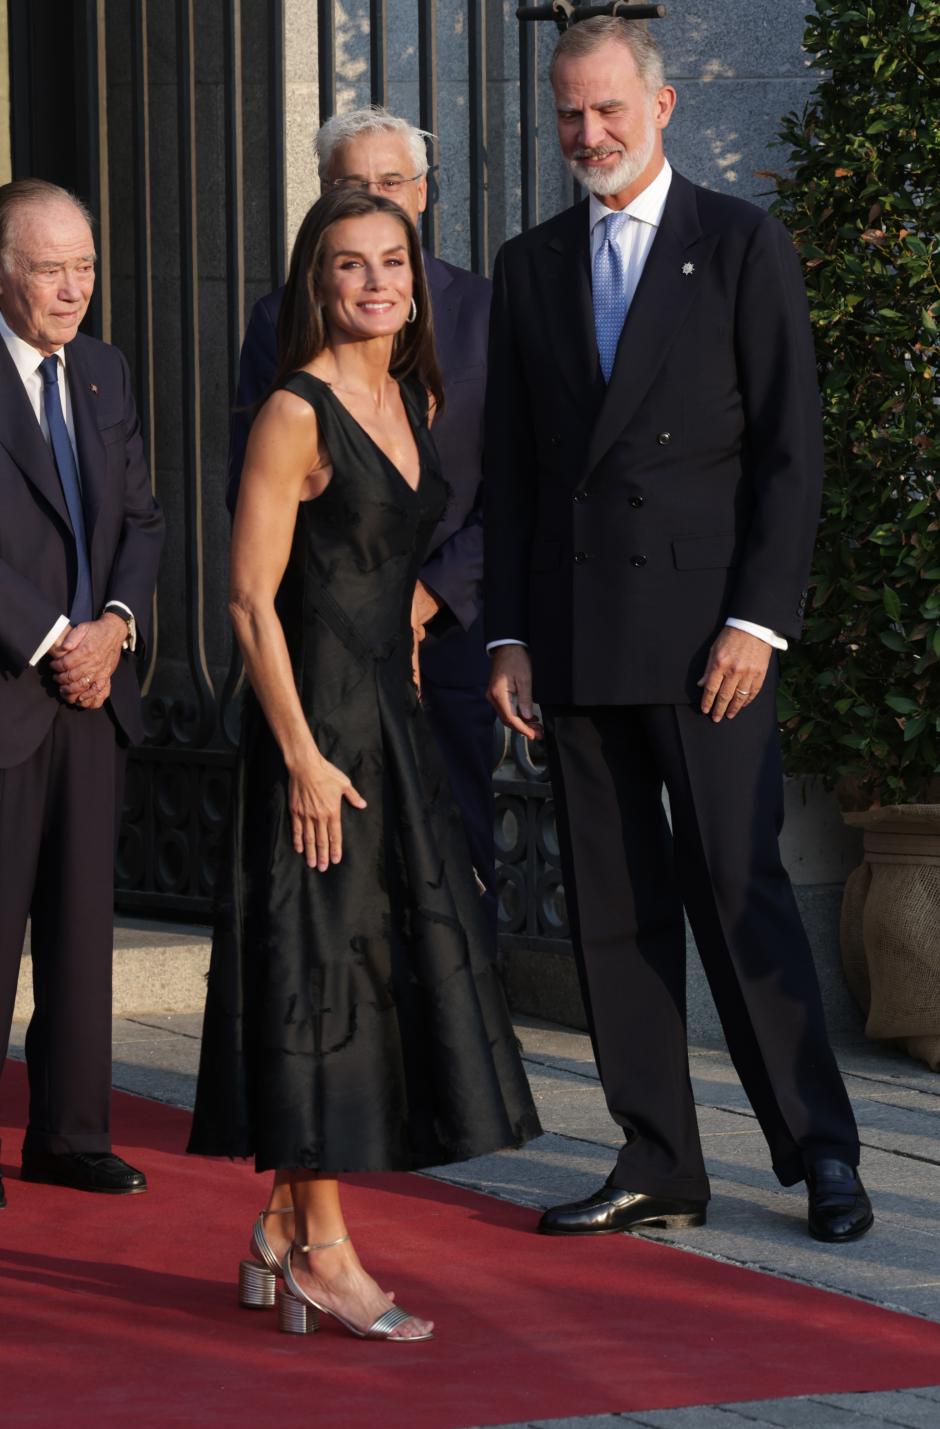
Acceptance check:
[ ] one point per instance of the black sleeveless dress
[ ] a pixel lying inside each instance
(355, 1020)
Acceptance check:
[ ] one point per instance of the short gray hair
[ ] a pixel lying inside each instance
(372, 119)
(19, 194)
(589, 35)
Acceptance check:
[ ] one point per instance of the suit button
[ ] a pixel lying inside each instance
(579, 556)
(664, 438)
(580, 496)
(638, 561)
(636, 502)
(555, 439)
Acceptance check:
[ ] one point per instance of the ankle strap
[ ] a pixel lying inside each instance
(321, 1244)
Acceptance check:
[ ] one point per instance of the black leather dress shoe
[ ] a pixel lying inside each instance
(3, 1195)
(839, 1208)
(83, 1171)
(610, 1210)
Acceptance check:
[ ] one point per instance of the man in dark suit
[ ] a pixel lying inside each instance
(653, 468)
(80, 542)
(372, 148)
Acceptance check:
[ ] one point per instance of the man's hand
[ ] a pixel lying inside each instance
(85, 658)
(735, 673)
(510, 689)
(424, 607)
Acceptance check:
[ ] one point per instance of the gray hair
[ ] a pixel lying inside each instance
(17, 195)
(372, 119)
(589, 35)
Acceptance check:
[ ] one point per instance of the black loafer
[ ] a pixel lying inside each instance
(839, 1208)
(83, 1171)
(610, 1210)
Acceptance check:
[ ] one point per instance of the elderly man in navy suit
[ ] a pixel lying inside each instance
(374, 149)
(654, 458)
(80, 542)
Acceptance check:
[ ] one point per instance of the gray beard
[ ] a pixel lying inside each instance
(603, 183)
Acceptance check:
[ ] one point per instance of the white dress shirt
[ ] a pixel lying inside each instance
(635, 241)
(27, 360)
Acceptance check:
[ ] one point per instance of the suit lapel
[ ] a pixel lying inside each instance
(91, 454)
(563, 279)
(21, 435)
(445, 305)
(663, 297)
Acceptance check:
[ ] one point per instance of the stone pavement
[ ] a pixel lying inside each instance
(752, 1221)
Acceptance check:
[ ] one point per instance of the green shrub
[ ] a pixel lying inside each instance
(860, 698)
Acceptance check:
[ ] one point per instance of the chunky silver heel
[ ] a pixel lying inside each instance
(256, 1286)
(296, 1317)
(257, 1279)
(295, 1306)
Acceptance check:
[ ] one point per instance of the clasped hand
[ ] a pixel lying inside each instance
(85, 657)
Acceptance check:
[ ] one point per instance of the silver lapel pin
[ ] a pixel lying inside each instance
(94, 388)
(688, 269)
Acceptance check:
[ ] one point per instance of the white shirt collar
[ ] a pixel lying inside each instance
(26, 358)
(647, 206)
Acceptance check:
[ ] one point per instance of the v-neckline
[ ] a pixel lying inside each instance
(370, 438)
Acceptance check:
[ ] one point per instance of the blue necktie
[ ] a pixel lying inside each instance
(609, 292)
(71, 486)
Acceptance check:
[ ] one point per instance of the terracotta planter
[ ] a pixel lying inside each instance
(891, 927)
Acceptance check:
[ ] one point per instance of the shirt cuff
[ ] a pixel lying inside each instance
(61, 625)
(130, 642)
(772, 638)
(494, 644)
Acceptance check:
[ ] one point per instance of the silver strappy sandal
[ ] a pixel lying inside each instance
(297, 1312)
(257, 1279)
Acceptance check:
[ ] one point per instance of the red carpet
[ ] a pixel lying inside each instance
(123, 1310)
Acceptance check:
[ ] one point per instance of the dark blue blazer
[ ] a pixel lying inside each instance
(123, 524)
(453, 653)
(625, 522)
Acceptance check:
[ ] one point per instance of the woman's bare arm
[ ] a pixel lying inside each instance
(281, 458)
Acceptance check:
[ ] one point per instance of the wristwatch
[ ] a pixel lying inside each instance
(117, 607)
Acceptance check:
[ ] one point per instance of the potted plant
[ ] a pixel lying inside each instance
(860, 700)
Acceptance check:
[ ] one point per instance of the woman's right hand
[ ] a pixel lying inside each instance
(316, 794)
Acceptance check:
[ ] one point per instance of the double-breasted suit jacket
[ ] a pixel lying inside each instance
(124, 531)
(626, 522)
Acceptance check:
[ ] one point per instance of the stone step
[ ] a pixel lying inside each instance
(158, 967)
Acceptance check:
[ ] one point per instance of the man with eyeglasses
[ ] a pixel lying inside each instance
(373, 149)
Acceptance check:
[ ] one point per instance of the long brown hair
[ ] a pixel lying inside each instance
(301, 330)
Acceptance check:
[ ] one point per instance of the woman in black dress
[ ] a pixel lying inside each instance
(355, 1020)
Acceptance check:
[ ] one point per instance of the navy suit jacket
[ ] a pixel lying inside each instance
(453, 653)
(626, 521)
(124, 529)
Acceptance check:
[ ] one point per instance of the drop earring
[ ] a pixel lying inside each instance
(414, 312)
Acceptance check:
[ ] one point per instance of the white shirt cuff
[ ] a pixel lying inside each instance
(131, 642)
(61, 625)
(494, 644)
(777, 641)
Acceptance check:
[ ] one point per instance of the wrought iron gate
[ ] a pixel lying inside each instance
(177, 113)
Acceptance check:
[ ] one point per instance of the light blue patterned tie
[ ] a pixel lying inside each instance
(71, 486)
(609, 292)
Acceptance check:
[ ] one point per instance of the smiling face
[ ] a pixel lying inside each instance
(609, 122)
(48, 277)
(382, 162)
(365, 285)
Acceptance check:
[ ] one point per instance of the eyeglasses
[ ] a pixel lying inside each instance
(389, 184)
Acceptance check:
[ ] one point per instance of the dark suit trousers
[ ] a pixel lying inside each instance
(57, 834)
(627, 877)
(462, 721)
